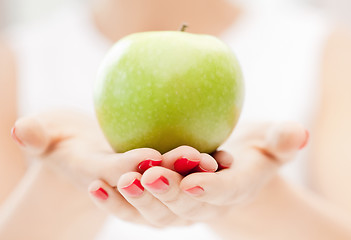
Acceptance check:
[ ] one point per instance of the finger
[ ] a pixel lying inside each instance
(108, 199)
(284, 140)
(111, 166)
(214, 188)
(164, 185)
(42, 132)
(30, 133)
(207, 164)
(234, 185)
(245, 132)
(258, 160)
(150, 208)
(141, 159)
(224, 159)
(185, 159)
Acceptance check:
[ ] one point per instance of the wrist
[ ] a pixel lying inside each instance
(282, 211)
(54, 206)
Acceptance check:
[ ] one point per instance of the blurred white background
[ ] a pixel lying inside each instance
(338, 9)
(13, 11)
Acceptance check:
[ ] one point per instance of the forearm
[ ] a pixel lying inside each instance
(330, 164)
(282, 212)
(47, 206)
(12, 170)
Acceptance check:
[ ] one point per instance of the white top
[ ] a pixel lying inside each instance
(279, 50)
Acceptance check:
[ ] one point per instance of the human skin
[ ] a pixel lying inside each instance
(244, 200)
(55, 139)
(258, 151)
(329, 183)
(110, 25)
(68, 151)
(330, 159)
(10, 171)
(46, 205)
(15, 169)
(284, 211)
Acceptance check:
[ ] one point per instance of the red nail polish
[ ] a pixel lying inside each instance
(160, 183)
(100, 194)
(146, 164)
(221, 167)
(196, 191)
(198, 168)
(306, 140)
(134, 189)
(184, 165)
(14, 136)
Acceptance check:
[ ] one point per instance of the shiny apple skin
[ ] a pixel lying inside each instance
(165, 89)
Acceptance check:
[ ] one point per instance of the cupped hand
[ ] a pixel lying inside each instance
(173, 194)
(72, 143)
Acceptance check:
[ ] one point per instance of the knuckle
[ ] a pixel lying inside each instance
(171, 198)
(191, 211)
(120, 210)
(170, 201)
(145, 202)
(201, 212)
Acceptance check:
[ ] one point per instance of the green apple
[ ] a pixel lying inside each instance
(166, 89)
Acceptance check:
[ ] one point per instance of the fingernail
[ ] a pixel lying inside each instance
(184, 165)
(148, 163)
(100, 194)
(198, 168)
(221, 167)
(134, 189)
(307, 136)
(195, 191)
(160, 184)
(14, 136)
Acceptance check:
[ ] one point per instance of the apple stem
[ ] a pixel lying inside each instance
(183, 27)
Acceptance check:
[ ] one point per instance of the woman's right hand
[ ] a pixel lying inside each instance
(72, 143)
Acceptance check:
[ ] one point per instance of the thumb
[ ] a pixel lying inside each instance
(31, 135)
(285, 139)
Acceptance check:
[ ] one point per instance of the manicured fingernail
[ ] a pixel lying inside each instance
(134, 189)
(184, 165)
(195, 191)
(100, 194)
(160, 184)
(198, 168)
(14, 136)
(221, 167)
(306, 140)
(148, 163)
